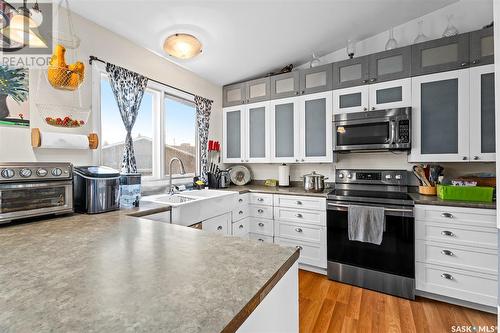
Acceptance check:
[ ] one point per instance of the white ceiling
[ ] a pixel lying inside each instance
(243, 38)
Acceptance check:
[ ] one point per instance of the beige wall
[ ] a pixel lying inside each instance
(100, 42)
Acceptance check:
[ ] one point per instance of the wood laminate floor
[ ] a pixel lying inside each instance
(328, 306)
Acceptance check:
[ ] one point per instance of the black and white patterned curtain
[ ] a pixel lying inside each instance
(128, 88)
(203, 109)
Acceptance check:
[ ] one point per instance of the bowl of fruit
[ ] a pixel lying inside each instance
(64, 116)
(64, 122)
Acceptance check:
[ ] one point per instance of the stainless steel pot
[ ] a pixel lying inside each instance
(314, 182)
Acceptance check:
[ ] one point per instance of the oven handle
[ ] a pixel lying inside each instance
(13, 186)
(397, 211)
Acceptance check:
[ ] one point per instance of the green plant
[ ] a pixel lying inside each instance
(14, 83)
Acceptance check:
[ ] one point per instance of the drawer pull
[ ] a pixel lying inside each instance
(447, 276)
(260, 240)
(241, 226)
(299, 202)
(299, 215)
(260, 211)
(240, 200)
(447, 215)
(298, 247)
(447, 253)
(298, 229)
(219, 227)
(447, 233)
(261, 224)
(240, 212)
(260, 199)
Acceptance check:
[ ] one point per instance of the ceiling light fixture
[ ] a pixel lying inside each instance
(182, 46)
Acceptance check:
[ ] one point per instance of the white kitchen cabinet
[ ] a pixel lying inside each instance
(440, 117)
(285, 129)
(379, 96)
(246, 133)
(482, 113)
(241, 228)
(219, 224)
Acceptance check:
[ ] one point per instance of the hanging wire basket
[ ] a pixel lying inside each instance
(64, 116)
(64, 78)
(69, 41)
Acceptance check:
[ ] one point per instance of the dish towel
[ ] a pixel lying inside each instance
(366, 224)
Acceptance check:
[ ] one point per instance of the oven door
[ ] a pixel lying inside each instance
(18, 200)
(365, 134)
(395, 255)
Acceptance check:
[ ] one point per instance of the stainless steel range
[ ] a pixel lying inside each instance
(33, 189)
(390, 266)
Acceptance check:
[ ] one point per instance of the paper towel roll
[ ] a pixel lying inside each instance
(64, 141)
(284, 175)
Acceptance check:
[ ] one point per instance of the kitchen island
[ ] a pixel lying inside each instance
(114, 273)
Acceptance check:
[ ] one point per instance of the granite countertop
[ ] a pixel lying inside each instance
(114, 273)
(420, 199)
(291, 190)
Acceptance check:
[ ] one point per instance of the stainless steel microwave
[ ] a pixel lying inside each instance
(372, 130)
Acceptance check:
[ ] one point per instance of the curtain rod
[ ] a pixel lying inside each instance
(93, 58)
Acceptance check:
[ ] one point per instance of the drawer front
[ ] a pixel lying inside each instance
(300, 216)
(262, 226)
(244, 199)
(241, 212)
(303, 232)
(457, 234)
(300, 202)
(456, 215)
(462, 258)
(310, 253)
(241, 228)
(261, 238)
(261, 199)
(219, 224)
(477, 288)
(264, 212)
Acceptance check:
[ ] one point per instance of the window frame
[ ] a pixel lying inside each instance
(160, 93)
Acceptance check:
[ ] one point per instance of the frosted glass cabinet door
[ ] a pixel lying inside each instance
(316, 128)
(233, 135)
(285, 85)
(258, 90)
(234, 94)
(440, 117)
(349, 100)
(351, 72)
(482, 113)
(391, 94)
(316, 79)
(257, 129)
(390, 65)
(481, 47)
(285, 130)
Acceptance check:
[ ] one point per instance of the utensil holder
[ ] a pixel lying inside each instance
(213, 181)
(427, 190)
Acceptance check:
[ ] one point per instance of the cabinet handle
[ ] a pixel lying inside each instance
(261, 224)
(299, 202)
(260, 199)
(364, 81)
(298, 247)
(246, 161)
(447, 233)
(242, 161)
(476, 61)
(447, 215)
(463, 64)
(302, 160)
(373, 80)
(240, 212)
(365, 109)
(260, 211)
(298, 229)
(296, 160)
(219, 227)
(297, 92)
(373, 108)
(447, 253)
(447, 276)
(240, 200)
(476, 158)
(260, 240)
(303, 92)
(464, 158)
(299, 215)
(241, 226)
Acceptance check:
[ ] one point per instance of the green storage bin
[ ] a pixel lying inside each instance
(465, 193)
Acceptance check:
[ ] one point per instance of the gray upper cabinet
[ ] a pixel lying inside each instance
(439, 55)
(481, 47)
(258, 90)
(350, 72)
(253, 91)
(234, 94)
(390, 65)
(285, 85)
(316, 79)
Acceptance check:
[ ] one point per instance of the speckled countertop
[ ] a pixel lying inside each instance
(118, 273)
(291, 190)
(420, 199)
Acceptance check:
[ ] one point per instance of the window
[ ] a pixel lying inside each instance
(113, 132)
(165, 128)
(180, 135)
